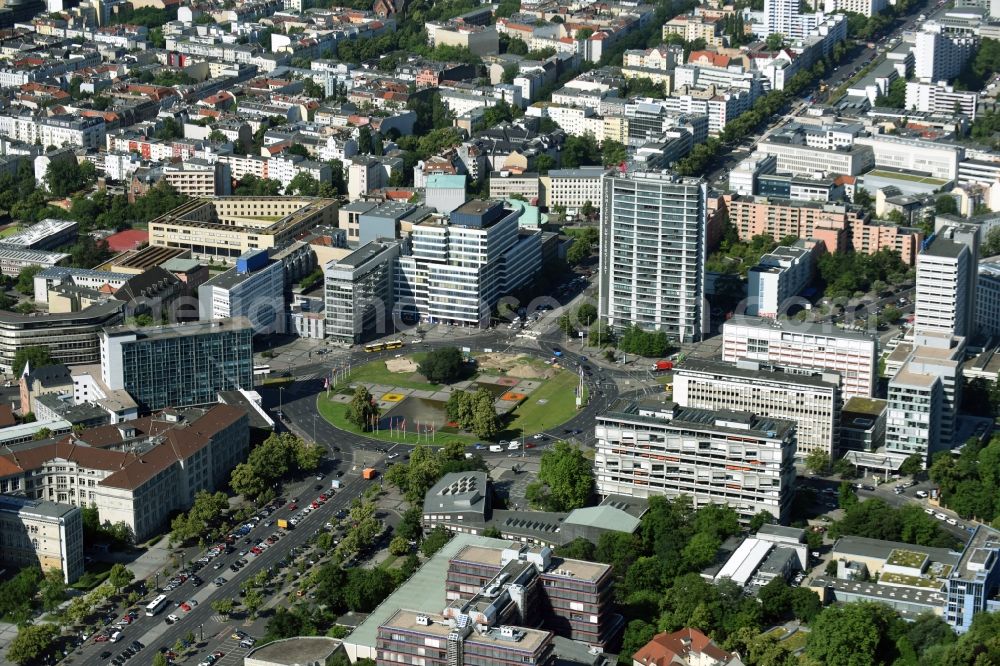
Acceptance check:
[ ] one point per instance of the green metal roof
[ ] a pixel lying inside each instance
(603, 517)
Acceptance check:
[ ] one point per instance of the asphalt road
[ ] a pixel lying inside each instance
(154, 632)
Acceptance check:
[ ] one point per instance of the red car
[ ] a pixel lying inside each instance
(256, 551)
(293, 506)
(315, 505)
(324, 497)
(186, 607)
(101, 638)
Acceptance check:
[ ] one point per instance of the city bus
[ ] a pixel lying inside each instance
(156, 605)
(380, 346)
(261, 370)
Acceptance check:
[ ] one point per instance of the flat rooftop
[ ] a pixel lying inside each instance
(864, 406)
(806, 328)
(491, 555)
(298, 650)
(29, 507)
(761, 373)
(406, 620)
(698, 419)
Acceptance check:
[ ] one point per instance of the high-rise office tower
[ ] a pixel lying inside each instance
(652, 261)
(947, 276)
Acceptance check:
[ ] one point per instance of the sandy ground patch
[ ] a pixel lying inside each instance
(513, 365)
(400, 365)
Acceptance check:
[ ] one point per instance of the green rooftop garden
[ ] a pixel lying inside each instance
(906, 558)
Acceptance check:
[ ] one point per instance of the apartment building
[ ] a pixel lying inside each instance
(481, 40)
(946, 282)
(869, 236)
(199, 178)
(41, 533)
(571, 598)
(692, 27)
(59, 130)
(972, 585)
(939, 56)
(924, 396)
(359, 292)
(934, 158)
(805, 346)
(939, 97)
(223, 228)
(253, 290)
(71, 337)
(867, 8)
(779, 276)
(652, 258)
(215, 355)
(811, 400)
(138, 472)
(713, 457)
(572, 188)
(455, 270)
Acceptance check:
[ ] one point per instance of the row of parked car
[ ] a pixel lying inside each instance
(132, 650)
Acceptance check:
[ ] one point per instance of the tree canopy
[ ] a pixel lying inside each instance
(565, 479)
(442, 366)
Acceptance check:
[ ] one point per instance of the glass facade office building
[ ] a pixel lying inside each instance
(178, 366)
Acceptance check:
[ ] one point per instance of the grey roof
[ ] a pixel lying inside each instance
(423, 590)
(82, 413)
(762, 373)
(363, 254)
(51, 375)
(178, 265)
(24, 505)
(582, 172)
(942, 247)
(603, 517)
(880, 549)
(985, 542)
(782, 531)
(359, 206)
(810, 328)
(230, 278)
(458, 492)
(776, 561)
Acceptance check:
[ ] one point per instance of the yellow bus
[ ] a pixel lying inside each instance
(375, 347)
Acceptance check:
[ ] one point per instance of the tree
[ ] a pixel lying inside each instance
(805, 604)
(578, 252)
(32, 642)
(53, 590)
(65, 176)
(946, 205)
(775, 41)
(245, 481)
(36, 357)
(586, 314)
(223, 606)
(565, 479)
(435, 541)
(363, 410)
(817, 461)
(304, 184)
(614, 153)
(856, 634)
(253, 600)
(160, 659)
(760, 519)
(26, 279)
(307, 456)
(442, 366)
(485, 421)
(991, 247)
(775, 599)
(912, 465)
(399, 546)
(120, 577)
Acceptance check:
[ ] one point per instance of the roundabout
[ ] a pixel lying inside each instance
(529, 394)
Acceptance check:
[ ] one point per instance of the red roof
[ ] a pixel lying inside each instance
(129, 239)
(666, 649)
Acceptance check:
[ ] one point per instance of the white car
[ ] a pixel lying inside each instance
(929, 512)
(951, 521)
(173, 618)
(940, 516)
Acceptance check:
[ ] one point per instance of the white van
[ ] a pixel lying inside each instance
(496, 448)
(513, 446)
(115, 637)
(921, 494)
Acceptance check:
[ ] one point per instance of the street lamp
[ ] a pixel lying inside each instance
(281, 393)
(314, 429)
(201, 633)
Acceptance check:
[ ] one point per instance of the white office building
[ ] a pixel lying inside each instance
(867, 8)
(946, 282)
(811, 400)
(800, 159)
(934, 158)
(939, 97)
(358, 292)
(457, 268)
(652, 253)
(806, 346)
(713, 457)
(780, 275)
(924, 395)
(254, 288)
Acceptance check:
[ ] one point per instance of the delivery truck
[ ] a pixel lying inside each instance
(663, 366)
(368, 473)
(336, 484)
(284, 524)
